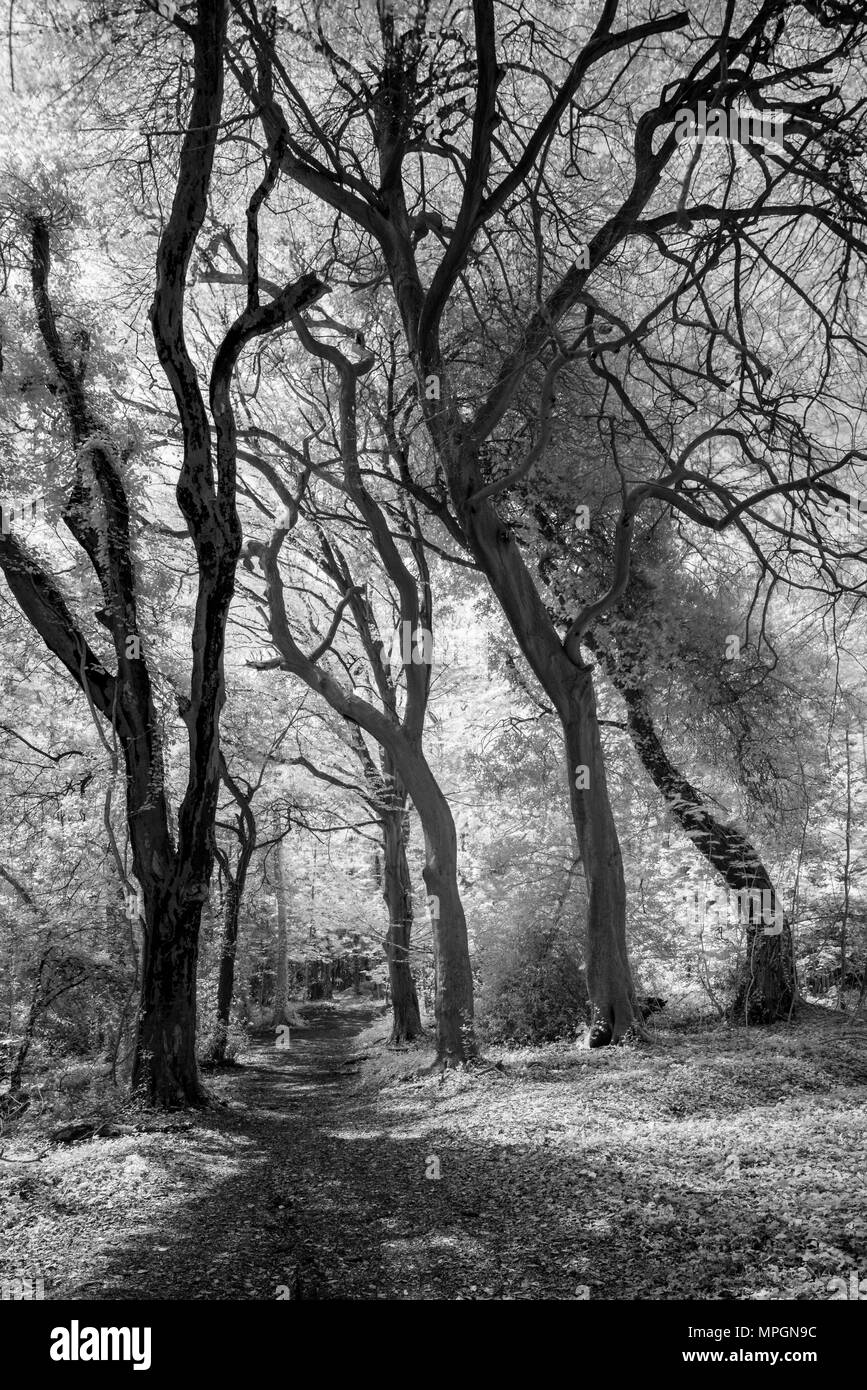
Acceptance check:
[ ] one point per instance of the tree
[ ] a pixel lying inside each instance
(406, 769)
(244, 828)
(173, 872)
(281, 976)
(399, 186)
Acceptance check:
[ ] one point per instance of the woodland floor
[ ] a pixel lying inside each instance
(722, 1164)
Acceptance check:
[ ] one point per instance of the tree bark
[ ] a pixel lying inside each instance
(17, 1072)
(609, 978)
(236, 881)
(226, 974)
(165, 1055)
(766, 989)
(401, 738)
(226, 977)
(453, 1003)
(397, 892)
(173, 872)
(568, 682)
(281, 975)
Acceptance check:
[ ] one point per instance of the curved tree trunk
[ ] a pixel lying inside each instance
(400, 736)
(173, 871)
(453, 1003)
(454, 996)
(568, 682)
(397, 892)
(767, 987)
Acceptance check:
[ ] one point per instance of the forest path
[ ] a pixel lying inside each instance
(725, 1164)
(294, 1189)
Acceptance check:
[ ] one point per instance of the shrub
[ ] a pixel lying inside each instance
(532, 986)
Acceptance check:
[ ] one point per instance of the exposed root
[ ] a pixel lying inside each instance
(475, 1062)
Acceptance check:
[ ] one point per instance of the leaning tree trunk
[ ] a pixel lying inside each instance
(568, 682)
(397, 892)
(453, 1005)
(17, 1073)
(766, 989)
(455, 1038)
(454, 1000)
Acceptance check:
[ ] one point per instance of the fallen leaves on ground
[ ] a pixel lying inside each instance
(723, 1165)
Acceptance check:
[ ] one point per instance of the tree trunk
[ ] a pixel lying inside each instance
(17, 1072)
(226, 976)
(766, 989)
(609, 979)
(568, 682)
(453, 1004)
(397, 892)
(165, 1053)
(281, 980)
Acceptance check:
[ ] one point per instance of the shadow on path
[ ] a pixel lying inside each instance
(306, 1181)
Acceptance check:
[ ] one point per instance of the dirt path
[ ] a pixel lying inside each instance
(293, 1189)
(720, 1166)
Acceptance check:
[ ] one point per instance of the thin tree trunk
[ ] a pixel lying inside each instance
(17, 1072)
(397, 892)
(245, 829)
(281, 974)
(454, 1002)
(847, 879)
(226, 973)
